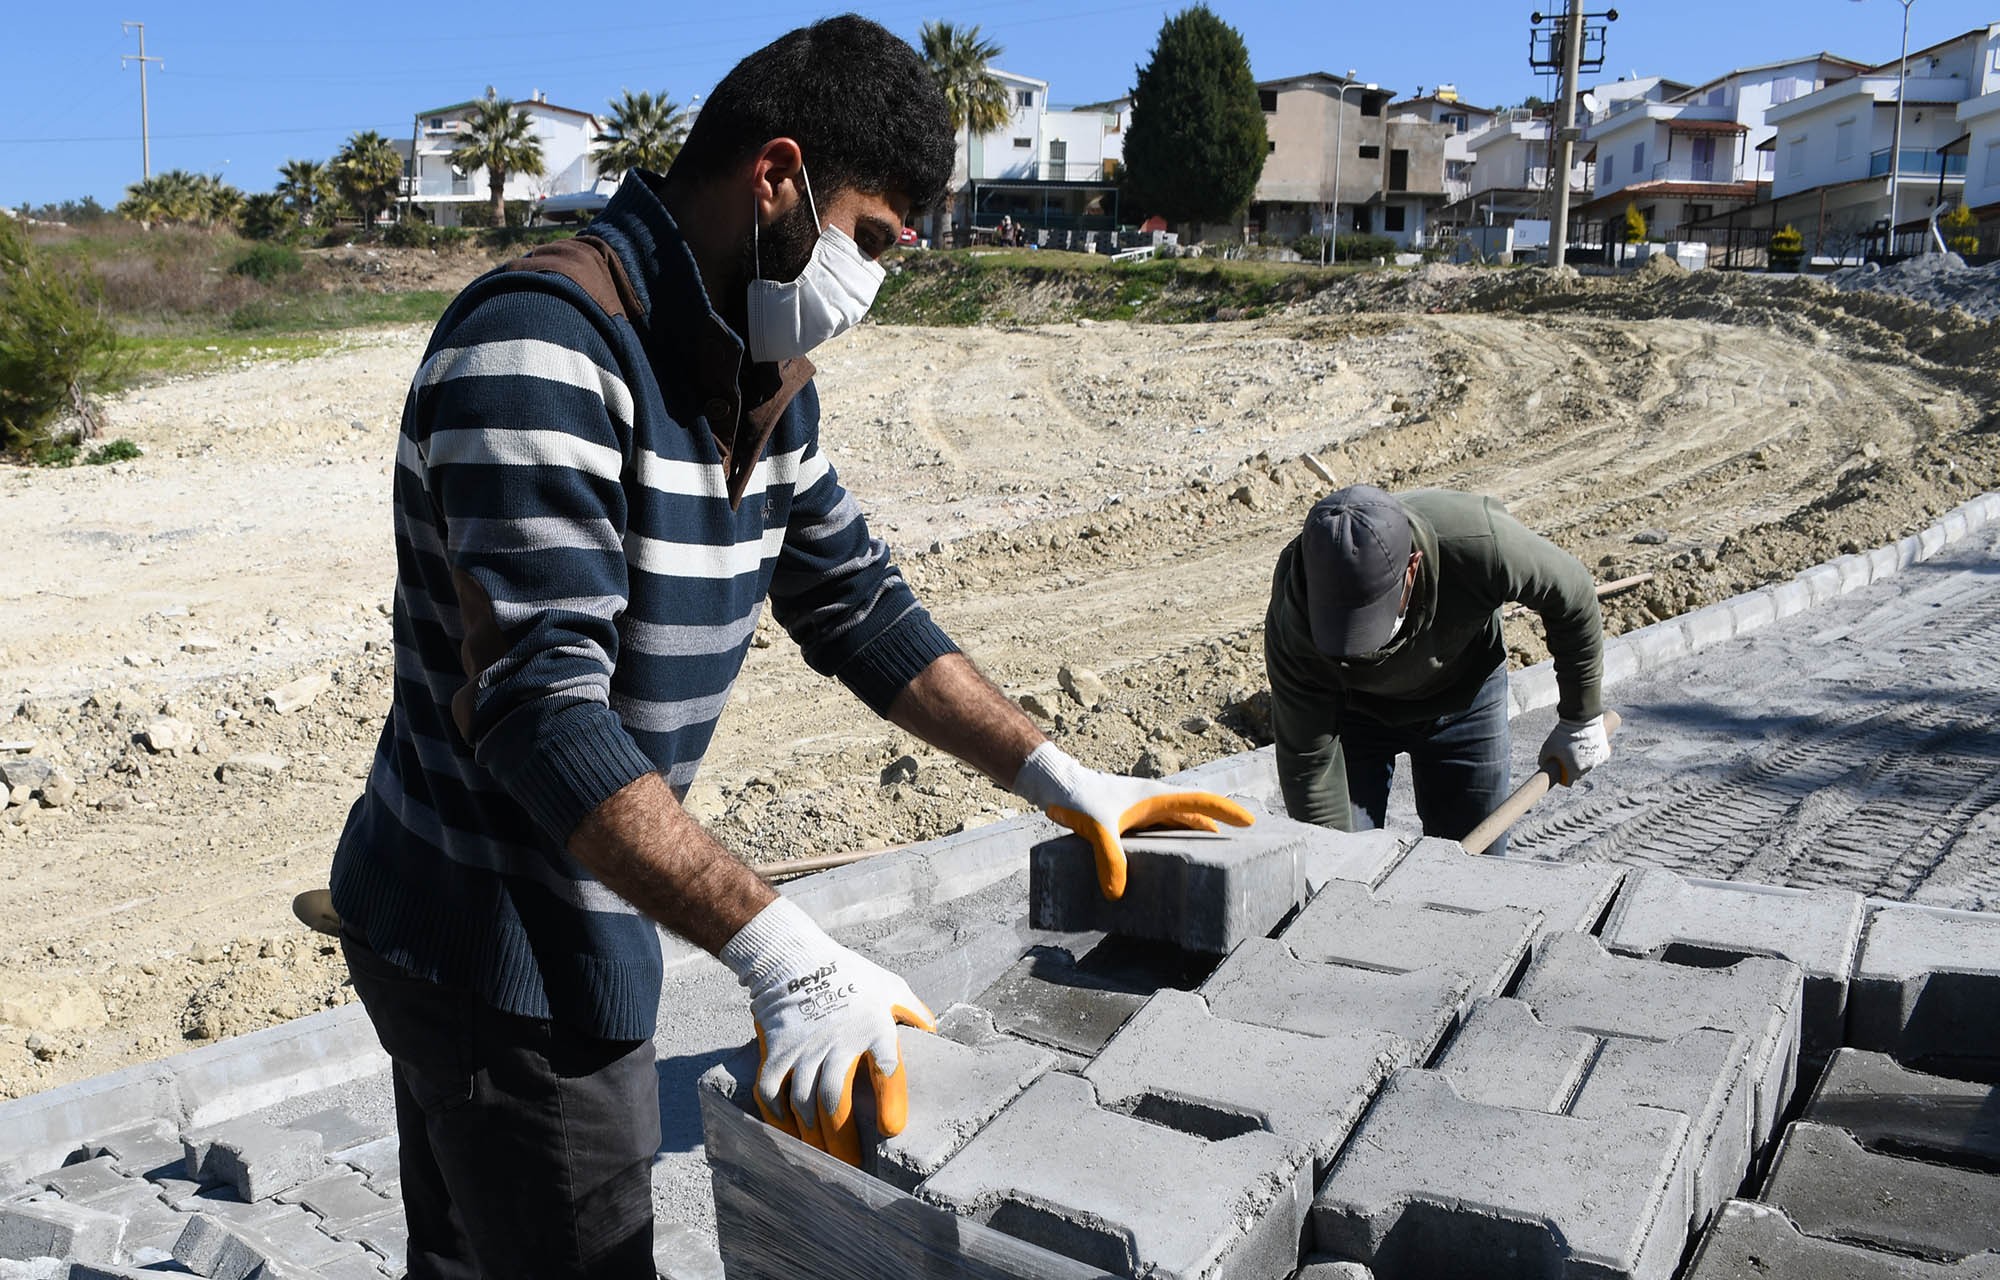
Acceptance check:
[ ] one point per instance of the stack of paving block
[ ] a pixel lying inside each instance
(1289, 1052)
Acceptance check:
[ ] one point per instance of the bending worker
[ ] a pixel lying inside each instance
(609, 460)
(1383, 636)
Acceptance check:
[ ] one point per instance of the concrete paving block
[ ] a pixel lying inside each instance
(1753, 610)
(56, 1229)
(388, 1238)
(1114, 1192)
(1930, 540)
(1658, 645)
(151, 1148)
(1571, 896)
(375, 1160)
(1334, 1271)
(1504, 1056)
(1262, 982)
(34, 1269)
(213, 1248)
(146, 1216)
(338, 1128)
(1433, 1185)
(234, 1077)
(1956, 525)
(1750, 1241)
(1177, 1064)
(1205, 891)
(1884, 563)
(1791, 597)
(954, 1090)
(1532, 688)
(86, 1180)
(256, 1158)
(296, 1243)
(1346, 924)
(1365, 857)
(1925, 988)
(108, 1271)
(342, 1200)
(1909, 551)
(1709, 625)
(43, 1129)
(1046, 998)
(1822, 583)
(362, 1266)
(1576, 983)
(1661, 916)
(1834, 1188)
(1621, 662)
(1855, 572)
(682, 1253)
(1890, 1108)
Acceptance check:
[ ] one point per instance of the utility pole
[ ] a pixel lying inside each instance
(145, 121)
(1566, 132)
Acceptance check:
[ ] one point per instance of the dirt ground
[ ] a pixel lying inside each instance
(1091, 509)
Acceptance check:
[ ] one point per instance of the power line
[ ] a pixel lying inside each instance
(230, 133)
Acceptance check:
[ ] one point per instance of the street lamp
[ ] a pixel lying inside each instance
(1340, 118)
(1896, 134)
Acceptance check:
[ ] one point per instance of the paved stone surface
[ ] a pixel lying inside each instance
(1504, 1056)
(1832, 1187)
(1575, 983)
(1925, 988)
(1347, 924)
(256, 1158)
(1440, 873)
(1060, 1171)
(84, 1181)
(213, 1248)
(1755, 1242)
(149, 1148)
(1889, 1108)
(1177, 1064)
(1432, 1185)
(342, 1201)
(1048, 999)
(1199, 890)
(1661, 916)
(961, 1088)
(1262, 982)
(52, 1229)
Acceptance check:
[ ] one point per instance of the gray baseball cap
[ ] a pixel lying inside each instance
(1356, 546)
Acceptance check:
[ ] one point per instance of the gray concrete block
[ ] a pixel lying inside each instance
(1114, 1192)
(1204, 891)
(1177, 1064)
(1855, 572)
(234, 1077)
(682, 1253)
(1661, 916)
(213, 1248)
(55, 1229)
(1621, 662)
(1884, 563)
(147, 1218)
(1262, 982)
(1504, 1056)
(362, 1266)
(1753, 610)
(338, 1128)
(1433, 1185)
(1334, 1271)
(1756, 1242)
(256, 1158)
(1046, 998)
(151, 1148)
(954, 1089)
(34, 1269)
(375, 1160)
(388, 1238)
(1956, 525)
(1346, 924)
(1925, 988)
(86, 1180)
(1930, 540)
(1832, 1187)
(1909, 551)
(1576, 983)
(1890, 1108)
(1790, 597)
(1571, 896)
(1532, 688)
(107, 1271)
(342, 1200)
(1822, 583)
(1658, 645)
(1709, 625)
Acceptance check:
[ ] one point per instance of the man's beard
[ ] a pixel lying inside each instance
(782, 249)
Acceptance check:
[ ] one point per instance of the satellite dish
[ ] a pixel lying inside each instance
(1589, 101)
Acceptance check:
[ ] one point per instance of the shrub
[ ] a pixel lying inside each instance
(268, 263)
(55, 344)
(1959, 227)
(114, 451)
(1787, 247)
(1311, 248)
(1632, 229)
(1363, 248)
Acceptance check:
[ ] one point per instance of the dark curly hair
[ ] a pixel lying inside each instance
(864, 109)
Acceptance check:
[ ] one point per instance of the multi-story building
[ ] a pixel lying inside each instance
(1338, 161)
(1443, 106)
(1980, 119)
(1051, 168)
(441, 187)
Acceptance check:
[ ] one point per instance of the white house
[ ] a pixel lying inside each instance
(1050, 168)
(1832, 148)
(1980, 119)
(1508, 175)
(442, 188)
(1694, 155)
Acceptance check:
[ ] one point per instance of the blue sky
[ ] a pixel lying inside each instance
(246, 86)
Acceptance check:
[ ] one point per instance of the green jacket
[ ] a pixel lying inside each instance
(1476, 558)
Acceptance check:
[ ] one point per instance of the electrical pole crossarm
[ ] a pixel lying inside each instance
(145, 122)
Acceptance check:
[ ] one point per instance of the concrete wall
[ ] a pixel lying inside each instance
(1980, 117)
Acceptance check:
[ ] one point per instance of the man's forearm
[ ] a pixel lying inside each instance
(651, 852)
(954, 708)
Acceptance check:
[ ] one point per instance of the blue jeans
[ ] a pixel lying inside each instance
(1458, 764)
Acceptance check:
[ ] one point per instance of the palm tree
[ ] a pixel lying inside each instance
(644, 132)
(959, 60)
(216, 202)
(266, 216)
(304, 186)
(501, 141)
(366, 170)
(180, 197)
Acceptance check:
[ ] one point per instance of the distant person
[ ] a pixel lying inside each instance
(1383, 636)
(609, 461)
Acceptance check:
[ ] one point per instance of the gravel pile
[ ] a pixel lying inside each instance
(1940, 280)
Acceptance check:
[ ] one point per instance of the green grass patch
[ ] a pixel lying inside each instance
(280, 328)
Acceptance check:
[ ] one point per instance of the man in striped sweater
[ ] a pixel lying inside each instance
(609, 460)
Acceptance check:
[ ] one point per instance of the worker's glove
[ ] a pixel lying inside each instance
(1575, 747)
(821, 1010)
(1100, 807)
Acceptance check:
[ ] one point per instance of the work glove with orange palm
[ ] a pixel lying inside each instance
(1101, 807)
(821, 1012)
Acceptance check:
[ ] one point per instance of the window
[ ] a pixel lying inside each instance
(1638, 159)
(1843, 140)
(1024, 97)
(1699, 212)
(1270, 145)
(1392, 218)
(1399, 170)
(1268, 99)
(1795, 156)
(437, 122)
(1610, 167)
(1369, 151)
(1456, 121)
(1718, 96)
(1022, 144)
(1784, 89)
(1992, 178)
(1372, 106)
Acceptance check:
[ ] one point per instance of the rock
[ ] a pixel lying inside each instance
(58, 789)
(61, 1008)
(200, 644)
(1156, 762)
(1082, 684)
(1650, 537)
(1034, 706)
(30, 773)
(116, 802)
(254, 766)
(167, 736)
(297, 695)
(902, 769)
(138, 658)
(20, 795)
(1247, 496)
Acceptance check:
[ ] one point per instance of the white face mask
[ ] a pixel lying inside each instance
(831, 295)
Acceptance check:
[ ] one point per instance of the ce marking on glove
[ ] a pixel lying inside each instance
(831, 999)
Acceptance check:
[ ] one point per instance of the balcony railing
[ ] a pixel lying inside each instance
(1694, 171)
(1917, 160)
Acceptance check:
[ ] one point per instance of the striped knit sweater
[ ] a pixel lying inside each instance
(575, 467)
